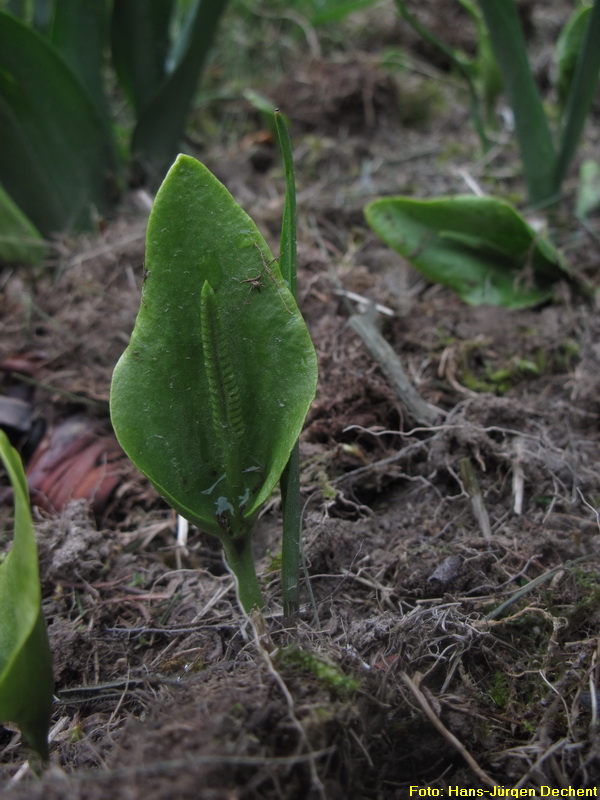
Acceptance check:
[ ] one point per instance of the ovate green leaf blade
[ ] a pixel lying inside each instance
(26, 681)
(212, 391)
(478, 246)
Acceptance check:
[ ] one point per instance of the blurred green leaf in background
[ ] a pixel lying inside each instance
(59, 162)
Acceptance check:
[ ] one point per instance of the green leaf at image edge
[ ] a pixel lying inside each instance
(26, 681)
(480, 247)
(212, 391)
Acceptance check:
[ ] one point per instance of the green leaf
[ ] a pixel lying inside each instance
(568, 47)
(478, 246)
(161, 122)
(26, 681)
(581, 94)
(212, 391)
(78, 32)
(140, 46)
(55, 161)
(20, 241)
(531, 124)
(588, 190)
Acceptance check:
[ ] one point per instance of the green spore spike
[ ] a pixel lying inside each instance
(224, 392)
(225, 406)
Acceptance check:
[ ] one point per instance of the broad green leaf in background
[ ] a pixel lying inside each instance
(160, 124)
(210, 396)
(26, 681)
(20, 242)
(478, 246)
(78, 32)
(140, 46)
(55, 161)
(34, 12)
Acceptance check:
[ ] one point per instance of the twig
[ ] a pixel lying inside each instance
(591, 507)
(363, 302)
(392, 368)
(472, 488)
(450, 737)
(534, 769)
(518, 480)
(529, 587)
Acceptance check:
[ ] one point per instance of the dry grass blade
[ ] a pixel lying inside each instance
(450, 737)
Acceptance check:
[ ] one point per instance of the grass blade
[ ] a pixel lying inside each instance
(581, 94)
(161, 123)
(458, 63)
(140, 46)
(533, 131)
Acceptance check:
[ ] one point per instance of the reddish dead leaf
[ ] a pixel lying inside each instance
(75, 460)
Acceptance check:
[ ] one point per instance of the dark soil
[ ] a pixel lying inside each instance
(440, 642)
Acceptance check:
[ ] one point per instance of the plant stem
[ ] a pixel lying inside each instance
(287, 245)
(292, 534)
(458, 63)
(291, 542)
(241, 562)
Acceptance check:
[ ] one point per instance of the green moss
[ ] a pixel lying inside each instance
(76, 734)
(138, 581)
(324, 671)
(587, 580)
(479, 373)
(273, 561)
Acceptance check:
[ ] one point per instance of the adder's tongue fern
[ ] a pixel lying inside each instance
(223, 371)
